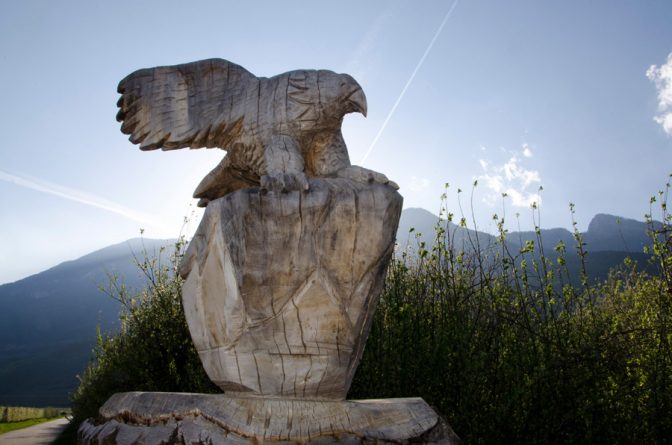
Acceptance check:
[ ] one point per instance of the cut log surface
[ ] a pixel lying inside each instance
(179, 418)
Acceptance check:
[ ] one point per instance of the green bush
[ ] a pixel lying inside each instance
(153, 351)
(499, 343)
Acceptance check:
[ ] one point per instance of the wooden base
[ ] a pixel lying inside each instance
(180, 418)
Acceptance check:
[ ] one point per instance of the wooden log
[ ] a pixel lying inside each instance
(179, 418)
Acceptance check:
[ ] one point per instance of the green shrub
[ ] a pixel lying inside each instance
(499, 343)
(153, 351)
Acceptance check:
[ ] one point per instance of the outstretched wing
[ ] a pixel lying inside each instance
(189, 105)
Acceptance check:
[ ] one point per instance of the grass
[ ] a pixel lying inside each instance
(6, 427)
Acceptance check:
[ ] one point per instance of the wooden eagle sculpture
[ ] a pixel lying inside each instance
(277, 131)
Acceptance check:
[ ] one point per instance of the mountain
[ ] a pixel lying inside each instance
(48, 321)
(608, 241)
(423, 224)
(607, 232)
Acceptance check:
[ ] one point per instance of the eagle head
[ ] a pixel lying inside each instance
(340, 94)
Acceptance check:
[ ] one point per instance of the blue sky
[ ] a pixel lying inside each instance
(516, 94)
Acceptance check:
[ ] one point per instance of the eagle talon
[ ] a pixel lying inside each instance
(361, 174)
(284, 182)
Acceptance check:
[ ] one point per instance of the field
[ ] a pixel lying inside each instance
(18, 417)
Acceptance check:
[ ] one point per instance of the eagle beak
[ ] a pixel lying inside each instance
(357, 101)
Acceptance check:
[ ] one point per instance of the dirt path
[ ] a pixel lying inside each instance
(42, 434)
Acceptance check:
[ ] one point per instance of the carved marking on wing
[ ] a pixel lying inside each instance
(190, 105)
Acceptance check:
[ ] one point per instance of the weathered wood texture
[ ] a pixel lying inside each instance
(177, 418)
(281, 288)
(280, 284)
(276, 130)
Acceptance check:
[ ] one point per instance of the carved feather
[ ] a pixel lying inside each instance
(269, 127)
(193, 105)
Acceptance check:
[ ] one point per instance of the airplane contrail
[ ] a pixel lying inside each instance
(43, 186)
(408, 83)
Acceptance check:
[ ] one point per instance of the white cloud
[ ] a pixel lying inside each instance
(516, 173)
(523, 199)
(418, 184)
(79, 196)
(662, 77)
(511, 178)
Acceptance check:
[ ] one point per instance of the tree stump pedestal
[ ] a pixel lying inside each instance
(180, 418)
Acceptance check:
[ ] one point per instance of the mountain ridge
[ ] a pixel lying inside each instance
(48, 321)
(605, 232)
